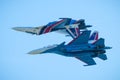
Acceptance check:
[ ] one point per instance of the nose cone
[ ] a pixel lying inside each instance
(37, 51)
(23, 28)
(18, 28)
(48, 49)
(31, 30)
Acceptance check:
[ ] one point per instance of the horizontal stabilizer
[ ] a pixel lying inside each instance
(102, 56)
(100, 43)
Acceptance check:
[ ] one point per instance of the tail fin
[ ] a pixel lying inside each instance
(82, 24)
(94, 36)
(100, 43)
(81, 39)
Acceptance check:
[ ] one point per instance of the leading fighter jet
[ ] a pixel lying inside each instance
(61, 25)
(78, 48)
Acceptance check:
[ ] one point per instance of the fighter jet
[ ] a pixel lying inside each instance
(60, 25)
(78, 48)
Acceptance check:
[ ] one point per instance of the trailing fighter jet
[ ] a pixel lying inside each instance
(78, 48)
(55, 26)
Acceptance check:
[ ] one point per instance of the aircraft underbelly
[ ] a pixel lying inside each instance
(77, 54)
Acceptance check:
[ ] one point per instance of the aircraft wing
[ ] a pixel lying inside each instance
(86, 58)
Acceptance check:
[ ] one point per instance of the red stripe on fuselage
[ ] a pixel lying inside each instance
(49, 28)
(77, 31)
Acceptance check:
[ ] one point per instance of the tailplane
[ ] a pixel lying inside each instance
(102, 56)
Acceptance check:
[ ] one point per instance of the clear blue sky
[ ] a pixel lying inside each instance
(15, 64)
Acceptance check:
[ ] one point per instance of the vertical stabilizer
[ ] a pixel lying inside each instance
(81, 39)
(94, 36)
(100, 43)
